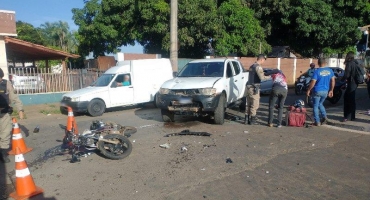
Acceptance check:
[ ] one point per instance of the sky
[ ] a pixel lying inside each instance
(37, 12)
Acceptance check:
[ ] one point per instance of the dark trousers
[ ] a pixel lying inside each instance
(280, 95)
(368, 88)
(349, 107)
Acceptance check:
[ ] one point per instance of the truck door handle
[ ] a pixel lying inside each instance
(131, 87)
(236, 81)
(243, 77)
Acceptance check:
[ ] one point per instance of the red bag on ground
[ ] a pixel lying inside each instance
(296, 116)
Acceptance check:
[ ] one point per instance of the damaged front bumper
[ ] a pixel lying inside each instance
(188, 103)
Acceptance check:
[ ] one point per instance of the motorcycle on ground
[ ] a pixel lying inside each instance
(110, 139)
(302, 84)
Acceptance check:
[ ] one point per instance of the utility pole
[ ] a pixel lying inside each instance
(173, 31)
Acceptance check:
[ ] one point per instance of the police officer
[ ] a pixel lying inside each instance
(256, 75)
(7, 97)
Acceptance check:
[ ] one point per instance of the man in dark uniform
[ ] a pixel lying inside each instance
(349, 96)
(7, 98)
(256, 75)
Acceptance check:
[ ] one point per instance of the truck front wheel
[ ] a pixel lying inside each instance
(220, 111)
(96, 107)
(167, 116)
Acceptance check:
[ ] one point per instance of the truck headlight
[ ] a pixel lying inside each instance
(164, 91)
(75, 99)
(207, 91)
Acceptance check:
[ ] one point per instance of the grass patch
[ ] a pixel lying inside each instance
(52, 110)
(15, 115)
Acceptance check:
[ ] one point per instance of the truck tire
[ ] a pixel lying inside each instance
(156, 101)
(219, 114)
(167, 116)
(96, 107)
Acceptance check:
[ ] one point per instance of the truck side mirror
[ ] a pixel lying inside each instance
(113, 85)
(174, 74)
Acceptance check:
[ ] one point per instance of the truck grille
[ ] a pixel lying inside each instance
(185, 92)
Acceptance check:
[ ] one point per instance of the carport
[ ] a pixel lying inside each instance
(22, 51)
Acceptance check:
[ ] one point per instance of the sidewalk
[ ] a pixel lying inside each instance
(362, 123)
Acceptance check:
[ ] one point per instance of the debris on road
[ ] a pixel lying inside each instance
(146, 126)
(246, 132)
(228, 160)
(203, 169)
(187, 132)
(267, 172)
(37, 129)
(183, 149)
(166, 145)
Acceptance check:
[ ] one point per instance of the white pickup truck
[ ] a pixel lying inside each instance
(204, 87)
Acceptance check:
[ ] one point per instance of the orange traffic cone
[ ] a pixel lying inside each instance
(24, 185)
(17, 140)
(71, 122)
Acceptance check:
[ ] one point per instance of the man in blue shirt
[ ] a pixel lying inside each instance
(322, 84)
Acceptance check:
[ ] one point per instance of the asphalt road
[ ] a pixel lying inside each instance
(267, 163)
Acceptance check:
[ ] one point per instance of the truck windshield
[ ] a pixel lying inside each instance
(103, 80)
(202, 69)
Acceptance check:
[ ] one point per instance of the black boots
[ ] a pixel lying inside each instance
(4, 156)
(253, 120)
(246, 120)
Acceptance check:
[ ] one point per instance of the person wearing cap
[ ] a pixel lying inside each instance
(7, 98)
(256, 75)
(311, 70)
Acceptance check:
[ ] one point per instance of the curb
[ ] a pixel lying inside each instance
(347, 126)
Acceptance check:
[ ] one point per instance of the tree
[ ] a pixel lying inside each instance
(29, 33)
(311, 27)
(229, 26)
(58, 36)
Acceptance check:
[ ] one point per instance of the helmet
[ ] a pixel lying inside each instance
(312, 65)
(299, 103)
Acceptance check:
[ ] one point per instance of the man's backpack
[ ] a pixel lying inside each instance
(359, 76)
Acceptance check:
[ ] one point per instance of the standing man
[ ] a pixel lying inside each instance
(349, 97)
(7, 97)
(253, 89)
(322, 83)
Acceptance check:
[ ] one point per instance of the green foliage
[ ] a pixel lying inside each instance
(228, 26)
(29, 33)
(311, 27)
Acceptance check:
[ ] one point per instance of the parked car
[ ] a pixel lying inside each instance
(266, 85)
(204, 87)
(26, 79)
(113, 90)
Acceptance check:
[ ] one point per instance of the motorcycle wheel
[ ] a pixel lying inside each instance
(115, 151)
(298, 90)
(336, 97)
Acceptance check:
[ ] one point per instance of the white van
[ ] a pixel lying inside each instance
(128, 83)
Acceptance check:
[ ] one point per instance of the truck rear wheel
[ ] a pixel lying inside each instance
(96, 107)
(220, 111)
(167, 116)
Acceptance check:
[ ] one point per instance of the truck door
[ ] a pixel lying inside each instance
(238, 79)
(232, 89)
(121, 91)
